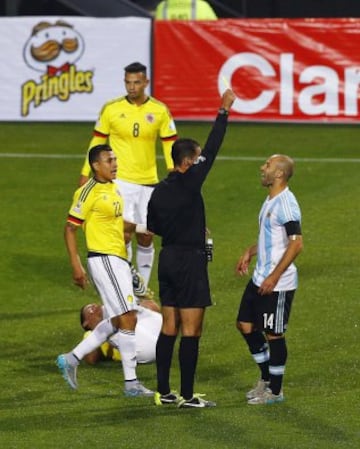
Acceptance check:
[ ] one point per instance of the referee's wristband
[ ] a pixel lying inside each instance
(223, 111)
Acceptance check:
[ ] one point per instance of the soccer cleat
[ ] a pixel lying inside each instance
(138, 282)
(137, 390)
(195, 402)
(68, 371)
(267, 397)
(258, 389)
(170, 398)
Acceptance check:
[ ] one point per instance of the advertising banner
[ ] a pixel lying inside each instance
(65, 69)
(303, 70)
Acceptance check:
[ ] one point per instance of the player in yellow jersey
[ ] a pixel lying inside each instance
(98, 208)
(132, 124)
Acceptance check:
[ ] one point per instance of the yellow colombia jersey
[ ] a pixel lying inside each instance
(132, 132)
(107, 350)
(98, 207)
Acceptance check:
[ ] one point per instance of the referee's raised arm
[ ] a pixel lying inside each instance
(217, 133)
(213, 142)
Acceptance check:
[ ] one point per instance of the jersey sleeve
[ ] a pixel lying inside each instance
(197, 173)
(289, 210)
(100, 135)
(79, 208)
(152, 220)
(167, 145)
(168, 135)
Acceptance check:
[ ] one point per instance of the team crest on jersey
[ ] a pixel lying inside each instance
(150, 118)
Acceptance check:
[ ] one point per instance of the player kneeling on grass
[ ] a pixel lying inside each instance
(147, 330)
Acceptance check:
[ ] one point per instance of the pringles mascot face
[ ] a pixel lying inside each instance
(52, 48)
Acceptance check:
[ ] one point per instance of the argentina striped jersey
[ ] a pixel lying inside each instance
(273, 239)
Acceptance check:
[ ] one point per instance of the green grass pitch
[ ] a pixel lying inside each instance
(39, 305)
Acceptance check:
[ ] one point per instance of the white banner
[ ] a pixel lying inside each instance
(64, 69)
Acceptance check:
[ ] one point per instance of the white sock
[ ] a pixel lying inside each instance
(144, 261)
(129, 251)
(126, 344)
(97, 337)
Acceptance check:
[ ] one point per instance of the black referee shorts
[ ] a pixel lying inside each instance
(183, 277)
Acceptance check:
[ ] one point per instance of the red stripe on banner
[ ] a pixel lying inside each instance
(304, 70)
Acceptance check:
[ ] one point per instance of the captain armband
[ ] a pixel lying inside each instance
(293, 229)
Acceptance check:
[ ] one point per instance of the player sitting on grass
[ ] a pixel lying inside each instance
(147, 330)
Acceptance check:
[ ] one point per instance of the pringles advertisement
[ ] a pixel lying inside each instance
(65, 69)
(53, 50)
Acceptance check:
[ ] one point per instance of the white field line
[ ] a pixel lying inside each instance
(220, 158)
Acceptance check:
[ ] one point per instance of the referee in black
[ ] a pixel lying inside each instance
(176, 212)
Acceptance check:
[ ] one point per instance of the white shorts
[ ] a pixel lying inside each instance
(147, 331)
(112, 278)
(136, 198)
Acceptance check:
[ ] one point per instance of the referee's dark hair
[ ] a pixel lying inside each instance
(183, 148)
(94, 153)
(135, 67)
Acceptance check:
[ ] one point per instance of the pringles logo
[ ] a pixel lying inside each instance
(53, 50)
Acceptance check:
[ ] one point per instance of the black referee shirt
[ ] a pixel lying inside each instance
(176, 210)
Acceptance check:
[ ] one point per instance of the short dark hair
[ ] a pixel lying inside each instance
(135, 67)
(183, 148)
(94, 153)
(82, 318)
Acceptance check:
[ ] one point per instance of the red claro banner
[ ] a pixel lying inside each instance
(301, 70)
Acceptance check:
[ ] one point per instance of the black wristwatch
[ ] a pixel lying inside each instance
(223, 111)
